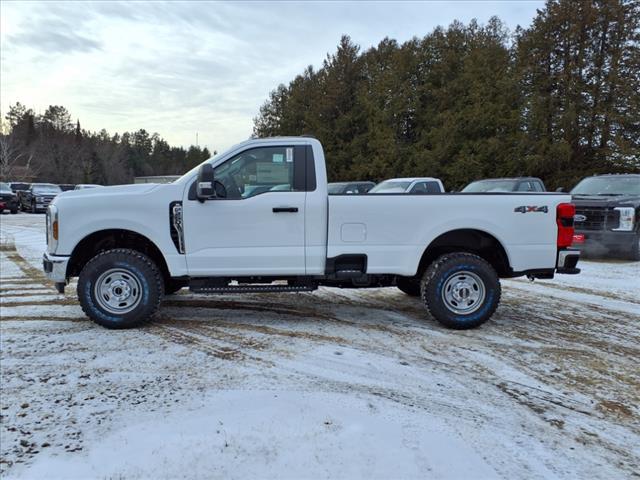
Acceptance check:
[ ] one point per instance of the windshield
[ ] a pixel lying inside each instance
(391, 186)
(491, 186)
(46, 189)
(608, 186)
(335, 187)
(4, 187)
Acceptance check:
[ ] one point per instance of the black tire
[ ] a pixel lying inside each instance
(172, 286)
(410, 286)
(145, 285)
(33, 207)
(467, 303)
(14, 210)
(635, 249)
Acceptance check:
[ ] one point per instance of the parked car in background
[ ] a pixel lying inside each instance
(8, 199)
(18, 186)
(422, 185)
(345, 188)
(65, 187)
(607, 220)
(83, 186)
(518, 184)
(38, 196)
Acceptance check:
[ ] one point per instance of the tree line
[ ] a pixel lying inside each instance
(558, 100)
(52, 148)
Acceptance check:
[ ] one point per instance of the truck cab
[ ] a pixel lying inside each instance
(258, 218)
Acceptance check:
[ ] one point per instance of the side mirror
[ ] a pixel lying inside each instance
(205, 187)
(560, 189)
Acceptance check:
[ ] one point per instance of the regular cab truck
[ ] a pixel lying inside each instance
(258, 218)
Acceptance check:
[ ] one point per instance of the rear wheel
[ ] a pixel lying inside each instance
(410, 286)
(461, 290)
(120, 288)
(14, 210)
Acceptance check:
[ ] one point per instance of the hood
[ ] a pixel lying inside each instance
(136, 188)
(605, 200)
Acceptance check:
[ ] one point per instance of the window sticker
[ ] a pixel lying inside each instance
(272, 173)
(277, 158)
(289, 155)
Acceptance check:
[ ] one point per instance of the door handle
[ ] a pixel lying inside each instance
(285, 209)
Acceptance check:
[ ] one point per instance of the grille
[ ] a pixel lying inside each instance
(598, 218)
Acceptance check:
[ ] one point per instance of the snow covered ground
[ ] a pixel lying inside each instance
(330, 384)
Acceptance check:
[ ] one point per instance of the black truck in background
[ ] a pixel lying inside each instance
(607, 219)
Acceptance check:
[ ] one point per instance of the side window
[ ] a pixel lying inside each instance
(538, 187)
(419, 188)
(433, 187)
(525, 187)
(257, 171)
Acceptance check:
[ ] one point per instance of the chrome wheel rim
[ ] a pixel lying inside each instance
(118, 291)
(463, 292)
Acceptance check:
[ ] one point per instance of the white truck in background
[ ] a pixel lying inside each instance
(258, 218)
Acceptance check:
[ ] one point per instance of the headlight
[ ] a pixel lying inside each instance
(627, 217)
(39, 199)
(52, 228)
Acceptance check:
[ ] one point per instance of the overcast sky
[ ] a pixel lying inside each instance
(180, 68)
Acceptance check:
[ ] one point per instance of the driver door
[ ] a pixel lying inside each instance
(255, 225)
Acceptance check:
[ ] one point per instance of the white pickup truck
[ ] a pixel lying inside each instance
(258, 218)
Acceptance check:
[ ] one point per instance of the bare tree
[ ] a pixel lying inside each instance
(12, 155)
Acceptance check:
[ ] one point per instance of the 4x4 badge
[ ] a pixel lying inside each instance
(534, 208)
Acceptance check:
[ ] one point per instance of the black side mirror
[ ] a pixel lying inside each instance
(560, 189)
(205, 187)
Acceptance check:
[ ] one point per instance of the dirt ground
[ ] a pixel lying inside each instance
(550, 387)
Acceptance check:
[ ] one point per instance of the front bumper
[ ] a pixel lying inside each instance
(55, 268)
(606, 243)
(567, 261)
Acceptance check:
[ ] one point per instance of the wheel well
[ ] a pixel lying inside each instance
(468, 240)
(103, 240)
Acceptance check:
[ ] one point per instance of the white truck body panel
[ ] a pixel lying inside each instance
(398, 228)
(243, 237)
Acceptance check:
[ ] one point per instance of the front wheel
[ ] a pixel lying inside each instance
(460, 290)
(120, 288)
(33, 207)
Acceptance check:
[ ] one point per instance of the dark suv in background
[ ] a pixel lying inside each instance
(607, 216)
(8, 199)
(38, 196)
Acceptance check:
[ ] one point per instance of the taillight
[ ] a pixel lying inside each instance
(564, 219)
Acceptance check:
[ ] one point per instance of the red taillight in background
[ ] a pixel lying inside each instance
(578, 238)
(564, 219)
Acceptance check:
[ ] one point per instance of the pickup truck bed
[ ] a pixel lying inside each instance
(393, 230)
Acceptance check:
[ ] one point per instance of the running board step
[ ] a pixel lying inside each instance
(253, 288)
